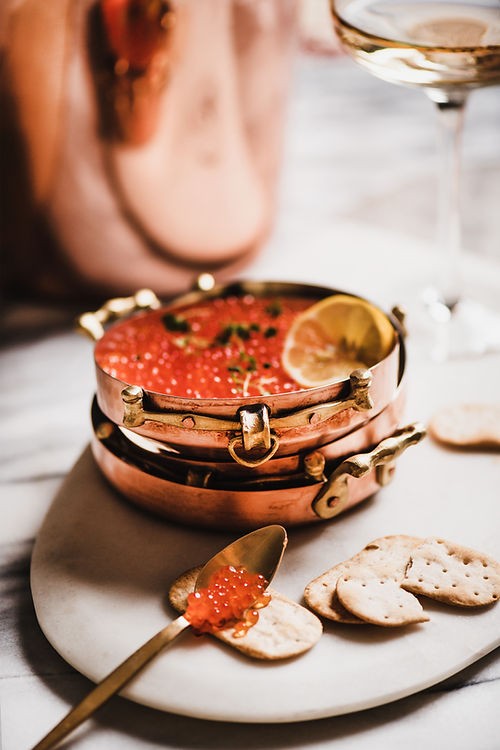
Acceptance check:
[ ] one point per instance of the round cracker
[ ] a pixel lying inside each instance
(320, 595)
(379, 601)
(386, 556)
(467, 425)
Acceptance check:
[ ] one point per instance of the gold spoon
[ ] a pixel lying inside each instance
(258, 552)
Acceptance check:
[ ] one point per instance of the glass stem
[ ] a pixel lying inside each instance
(450, 116)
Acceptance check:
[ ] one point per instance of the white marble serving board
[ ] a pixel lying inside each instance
(101, 569)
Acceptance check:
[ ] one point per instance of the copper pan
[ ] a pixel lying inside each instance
(215, 429)
(291, 498)
(155, 456)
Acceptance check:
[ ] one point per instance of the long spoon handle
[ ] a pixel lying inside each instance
(112, 683)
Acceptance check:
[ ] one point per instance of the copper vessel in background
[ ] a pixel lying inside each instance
(141, 138)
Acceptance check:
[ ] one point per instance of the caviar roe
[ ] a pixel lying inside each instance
(226, 347)
(231, 599)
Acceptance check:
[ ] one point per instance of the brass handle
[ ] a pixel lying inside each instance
(255, 430)
(399, 313)
(92, 323)
(237, 442)
(135, 415)
(333, 496)
(255, 433)
(359, 399)
(254, 426)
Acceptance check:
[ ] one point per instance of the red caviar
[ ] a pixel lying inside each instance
(226, 347)
(232, 598)
(135, 29)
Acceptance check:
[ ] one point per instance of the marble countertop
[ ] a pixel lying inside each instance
(359, 168)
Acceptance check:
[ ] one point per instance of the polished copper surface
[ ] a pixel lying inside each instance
(226, 495)
(219, 417)
(218, 508)
(155, 455)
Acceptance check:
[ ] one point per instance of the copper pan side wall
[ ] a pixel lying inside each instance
(359, 439)
(207, 430)
(220, 509)
(213, 444)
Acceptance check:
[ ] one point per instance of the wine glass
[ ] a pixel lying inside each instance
(447, 48)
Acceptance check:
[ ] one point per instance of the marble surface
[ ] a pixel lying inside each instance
(359, 164)
(100, 570)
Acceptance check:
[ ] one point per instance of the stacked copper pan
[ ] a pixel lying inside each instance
(239, 463)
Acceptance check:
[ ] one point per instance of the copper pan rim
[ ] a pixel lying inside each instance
(255, 288)
(176, 420)
(128, 445)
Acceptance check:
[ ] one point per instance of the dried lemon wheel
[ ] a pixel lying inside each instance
(333, 337)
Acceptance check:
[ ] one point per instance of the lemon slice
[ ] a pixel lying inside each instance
(333, 337)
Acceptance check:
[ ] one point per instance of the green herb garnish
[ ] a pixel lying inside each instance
(270, 332)
(181, 341)
(274, 308)
(243, 331)
(176, 323)
(251, 364)
(240, 331)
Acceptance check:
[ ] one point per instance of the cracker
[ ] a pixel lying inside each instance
(452, 574)
(284, 628)
(321, 596)
(467, 425)
(386, 556)
(379, 601)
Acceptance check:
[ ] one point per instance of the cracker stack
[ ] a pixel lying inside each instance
(379, 584)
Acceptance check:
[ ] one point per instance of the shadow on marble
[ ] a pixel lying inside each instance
(154, 727)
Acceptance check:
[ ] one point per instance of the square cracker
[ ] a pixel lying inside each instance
(452, 574)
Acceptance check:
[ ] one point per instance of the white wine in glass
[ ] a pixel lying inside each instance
(447, 49)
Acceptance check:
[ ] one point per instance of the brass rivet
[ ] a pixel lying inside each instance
(131, 394)
(314, 465)
(188, 422)
(104, 430)
(361, 378)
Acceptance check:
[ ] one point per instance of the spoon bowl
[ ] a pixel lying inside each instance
(260, 551)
